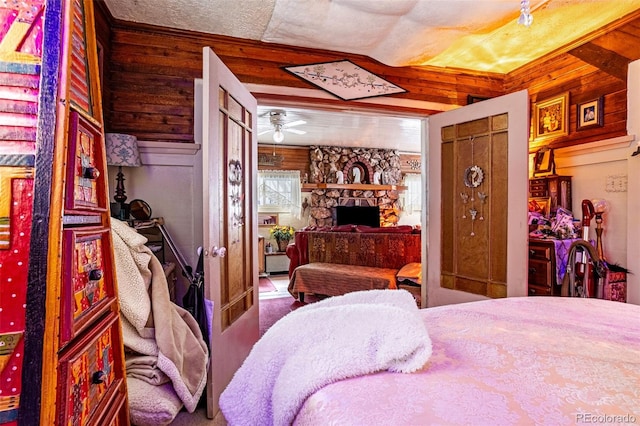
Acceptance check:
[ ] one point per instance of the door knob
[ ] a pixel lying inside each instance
(218, 251)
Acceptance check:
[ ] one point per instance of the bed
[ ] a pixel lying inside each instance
(528, 360)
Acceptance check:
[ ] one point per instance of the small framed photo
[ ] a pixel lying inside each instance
(591, 114)
(551, 117)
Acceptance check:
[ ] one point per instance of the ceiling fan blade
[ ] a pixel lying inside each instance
(265, 132)
(296, 131)
(294, 123)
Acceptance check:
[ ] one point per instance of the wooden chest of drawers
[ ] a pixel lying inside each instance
(90, 381)
(90, 369)
(542, 267)
(556, 188)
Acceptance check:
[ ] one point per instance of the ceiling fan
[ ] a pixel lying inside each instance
(279, 125)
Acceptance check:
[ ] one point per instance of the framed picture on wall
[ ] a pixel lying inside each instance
(551, 117)
(590, 114)
(540, 205)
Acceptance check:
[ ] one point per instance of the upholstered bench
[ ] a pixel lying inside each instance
(333, 279)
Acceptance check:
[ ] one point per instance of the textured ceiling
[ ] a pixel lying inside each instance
(479, 35)
(343, 128)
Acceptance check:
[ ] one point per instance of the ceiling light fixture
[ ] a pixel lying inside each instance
(526, 18)
(278, 136)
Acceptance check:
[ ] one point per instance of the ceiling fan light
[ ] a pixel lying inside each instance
(278, 136)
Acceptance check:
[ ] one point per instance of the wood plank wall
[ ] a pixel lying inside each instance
(149, 73)
(584, 82)
(278, 157)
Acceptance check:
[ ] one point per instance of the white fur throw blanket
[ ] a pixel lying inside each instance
(165, 336)
(337, 338)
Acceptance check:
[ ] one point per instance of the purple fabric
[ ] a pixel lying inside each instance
(562, 255)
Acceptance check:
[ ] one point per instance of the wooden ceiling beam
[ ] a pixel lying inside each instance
(606, 60)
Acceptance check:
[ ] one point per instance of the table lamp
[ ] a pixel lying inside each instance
(600, 208)
(122, 151)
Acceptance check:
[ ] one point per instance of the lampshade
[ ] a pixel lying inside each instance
(600, 206)
(122, 150)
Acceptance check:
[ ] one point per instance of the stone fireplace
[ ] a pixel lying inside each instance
(369, 177)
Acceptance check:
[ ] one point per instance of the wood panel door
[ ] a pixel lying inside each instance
(230, 228)
(477, 201)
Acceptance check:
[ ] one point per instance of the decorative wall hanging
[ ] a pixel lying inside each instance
(472, 178)
(345, 80)
(590, 114)
(270, 159)
(551, 117)
(236, 195)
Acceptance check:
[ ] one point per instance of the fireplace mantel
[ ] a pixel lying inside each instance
(307, 187)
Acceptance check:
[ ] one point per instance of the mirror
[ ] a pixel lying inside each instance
(543, 161)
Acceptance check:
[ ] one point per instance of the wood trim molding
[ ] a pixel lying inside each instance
(282, 94)
(614, 149)
(355, 186)
(152, 147)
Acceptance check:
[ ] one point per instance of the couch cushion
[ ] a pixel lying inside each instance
(401, 229)
(343, 228)
(410, 272)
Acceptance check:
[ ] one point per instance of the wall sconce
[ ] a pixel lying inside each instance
(122, 151)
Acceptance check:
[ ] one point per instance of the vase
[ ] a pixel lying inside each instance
(282, 245)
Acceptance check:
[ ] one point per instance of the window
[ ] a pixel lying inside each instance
(413, 194)
(279, 191)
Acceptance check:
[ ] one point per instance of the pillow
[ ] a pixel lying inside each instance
(150, 404)
(410, 272)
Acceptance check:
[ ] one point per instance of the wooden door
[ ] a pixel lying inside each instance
(477, 201)
(230, 221)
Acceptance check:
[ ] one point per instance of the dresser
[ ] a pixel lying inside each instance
(70, 352)
(547, 265)
(542, 266)
(555, 188)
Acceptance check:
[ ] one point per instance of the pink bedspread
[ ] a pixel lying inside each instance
(514, 361)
